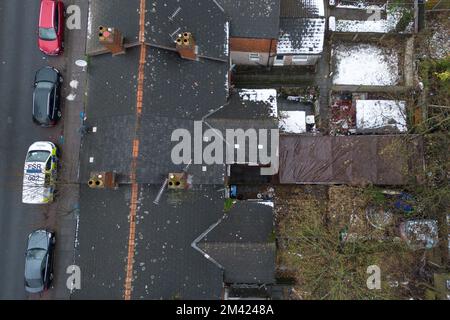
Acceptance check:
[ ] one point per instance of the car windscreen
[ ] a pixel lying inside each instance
(41, 101)
(47, 34)
(37, 156)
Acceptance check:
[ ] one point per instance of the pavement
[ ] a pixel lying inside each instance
(20, 58)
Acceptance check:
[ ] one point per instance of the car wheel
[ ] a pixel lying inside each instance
(53, 241)
(61, 80)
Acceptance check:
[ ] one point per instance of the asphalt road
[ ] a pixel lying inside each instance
(19, 60)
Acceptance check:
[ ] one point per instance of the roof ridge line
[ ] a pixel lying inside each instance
(203, 235)
(152, 45)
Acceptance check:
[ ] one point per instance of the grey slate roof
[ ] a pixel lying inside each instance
(171, 267)
(155, 163)
(177, 92)
(166, 19)
(253, 18)
(241, 244)
(205, 19)
(100, 247)
(195, 87)
(245, 112)
(111, 13)
(302, 8)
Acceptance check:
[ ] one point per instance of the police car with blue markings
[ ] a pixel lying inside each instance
(40, 173)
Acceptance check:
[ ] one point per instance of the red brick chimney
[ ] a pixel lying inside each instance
(111, 39)
(186, 47)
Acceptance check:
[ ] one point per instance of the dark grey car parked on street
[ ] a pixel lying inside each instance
(39, 261)
(46, 97)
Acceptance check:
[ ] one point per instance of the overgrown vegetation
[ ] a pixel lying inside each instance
(311, 251)
(228, 204)
(435, 75)
(403, 8)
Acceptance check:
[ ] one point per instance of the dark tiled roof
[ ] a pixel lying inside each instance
(177, 92)
(155, 161)
(205, 19)
(111, 103)
(101, 238)
(183, 89)
(253, 18)
(165, 20)
(302, 8)
(111, 13)
(241, 244)
(247, 221)
(166, 265)
(247, 109)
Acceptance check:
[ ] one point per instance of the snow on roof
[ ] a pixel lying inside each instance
(376, 114)
(293, 121)
(227, 39)
(268, 96)
(365, 64)
(301, 36)
(317, 5)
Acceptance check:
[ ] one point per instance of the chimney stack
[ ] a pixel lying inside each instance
(177, 181)
(186, 47)
(102, 180)
(111, 39)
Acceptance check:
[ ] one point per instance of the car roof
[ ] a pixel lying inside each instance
(41, 101)
(46, 13)
(33, 269)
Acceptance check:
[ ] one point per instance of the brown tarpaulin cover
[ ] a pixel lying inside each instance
(353, 160)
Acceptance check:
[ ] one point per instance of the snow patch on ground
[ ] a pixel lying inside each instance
(365, 64)
(439, 42)
(71, 97)
(292, 121)
(268, 96)
(74, 84)
(266, 203)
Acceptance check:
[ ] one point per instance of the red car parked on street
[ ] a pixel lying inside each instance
(51, 27)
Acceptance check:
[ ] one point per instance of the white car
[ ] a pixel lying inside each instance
(40, 173)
